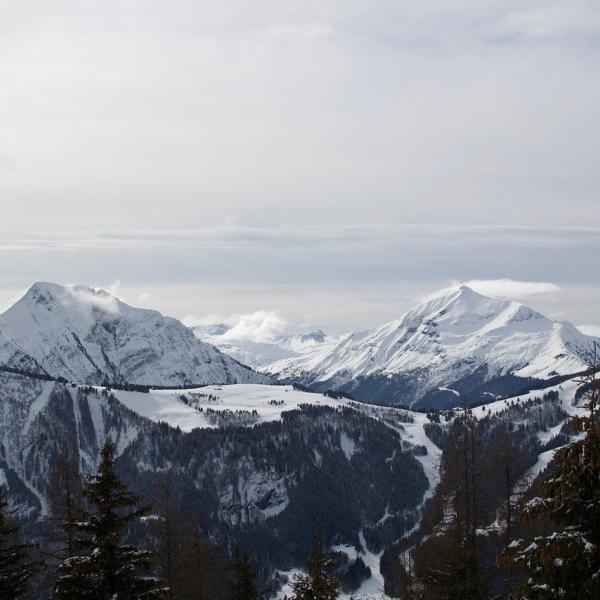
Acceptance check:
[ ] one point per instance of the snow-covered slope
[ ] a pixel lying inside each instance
(457, 343)
(245, 404)
(258, 354)
(88, 335)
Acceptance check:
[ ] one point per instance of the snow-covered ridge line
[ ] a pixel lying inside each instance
(460, 342)
(191, 408)
(89, 336)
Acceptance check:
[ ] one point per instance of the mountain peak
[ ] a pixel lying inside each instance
(456, 338)
(54, 290)
(464, 291)
(89, 335)
(317, 336)
(43, 288)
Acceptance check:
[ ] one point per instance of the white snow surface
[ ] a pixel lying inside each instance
(449, 337)
(566, 392)
(88, 335)
(269, 401)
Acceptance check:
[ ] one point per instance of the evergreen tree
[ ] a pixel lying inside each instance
(65, 501)
(15, 567)
(104, 568)
(243, 586)
(318, 583)
(566, 562)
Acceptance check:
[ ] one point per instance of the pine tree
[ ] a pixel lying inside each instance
(243, 586)
(318, 583)
(104, 568)
(566, 563)
(15, 567)
(66, 501)
(66, 505)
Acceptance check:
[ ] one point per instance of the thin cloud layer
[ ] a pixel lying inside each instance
(504, 288)
(508, 288)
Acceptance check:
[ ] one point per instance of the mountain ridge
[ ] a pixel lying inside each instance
(90, 336)
(459, 337)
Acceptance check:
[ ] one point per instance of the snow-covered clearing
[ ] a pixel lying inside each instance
(566, 392)
(269, 401)
(161, 406)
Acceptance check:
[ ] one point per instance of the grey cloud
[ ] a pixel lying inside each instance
(270, 148)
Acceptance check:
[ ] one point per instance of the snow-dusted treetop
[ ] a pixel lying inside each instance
(89, 335)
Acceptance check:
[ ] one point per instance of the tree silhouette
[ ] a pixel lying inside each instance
(105, 568)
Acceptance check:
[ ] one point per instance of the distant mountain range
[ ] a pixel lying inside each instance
(89, 336)
(456, 347)
(260, 354)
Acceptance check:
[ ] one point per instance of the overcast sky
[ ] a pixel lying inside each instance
(327, 160)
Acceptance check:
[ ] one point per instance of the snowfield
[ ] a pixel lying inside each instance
(565, 390)
(268, 401)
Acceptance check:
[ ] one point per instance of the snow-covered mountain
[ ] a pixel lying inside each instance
(89, 335)
(258, 354)
(457, 344)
